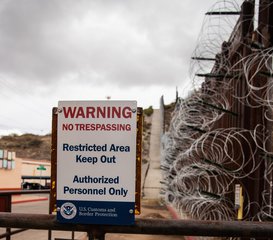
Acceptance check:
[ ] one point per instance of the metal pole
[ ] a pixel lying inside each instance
(52, 202)
(143, 226)
(96, 236)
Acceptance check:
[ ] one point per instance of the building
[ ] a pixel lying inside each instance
(14, 171)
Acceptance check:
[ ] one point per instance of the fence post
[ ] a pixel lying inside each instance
(5, 206)
(96, 236)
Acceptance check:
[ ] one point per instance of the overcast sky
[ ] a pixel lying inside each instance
(90, 49)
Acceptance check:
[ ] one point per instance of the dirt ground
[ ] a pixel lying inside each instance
(150, 209)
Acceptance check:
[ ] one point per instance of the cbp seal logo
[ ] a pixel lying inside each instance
(68, 210)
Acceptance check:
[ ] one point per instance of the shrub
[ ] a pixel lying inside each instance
(148, 111)
(35, 143)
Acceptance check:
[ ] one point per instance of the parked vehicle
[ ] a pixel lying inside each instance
(33, 186)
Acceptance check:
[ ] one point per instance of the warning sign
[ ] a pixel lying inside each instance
(96, 160)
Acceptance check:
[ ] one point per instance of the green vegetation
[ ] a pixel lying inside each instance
(170, 106)
(148, 111)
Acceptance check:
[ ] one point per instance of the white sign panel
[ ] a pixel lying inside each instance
(96, 159)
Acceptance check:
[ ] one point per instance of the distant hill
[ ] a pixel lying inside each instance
(28, 145)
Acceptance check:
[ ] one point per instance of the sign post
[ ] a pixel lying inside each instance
(96, 162)
(41, 168)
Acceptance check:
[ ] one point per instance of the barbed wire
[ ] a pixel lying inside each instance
(204, 157)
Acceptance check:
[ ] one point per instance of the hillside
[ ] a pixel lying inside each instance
(28, 145)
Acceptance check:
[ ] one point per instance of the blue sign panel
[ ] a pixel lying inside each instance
(88, 212)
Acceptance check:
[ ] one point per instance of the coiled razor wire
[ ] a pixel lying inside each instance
(201, 162)
(215, 30)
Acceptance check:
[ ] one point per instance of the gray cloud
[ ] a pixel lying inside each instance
(125, 42)
(89, 49)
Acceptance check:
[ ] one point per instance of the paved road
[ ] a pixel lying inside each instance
(152, 185)
(38, 207)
